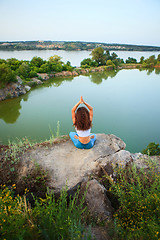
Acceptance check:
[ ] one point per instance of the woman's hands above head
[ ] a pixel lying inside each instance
(81, 100)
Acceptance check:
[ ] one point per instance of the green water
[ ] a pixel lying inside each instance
(125, 103)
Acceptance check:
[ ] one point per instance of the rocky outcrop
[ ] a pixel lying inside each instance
(12, 90)
(64, 74)
(72, 167)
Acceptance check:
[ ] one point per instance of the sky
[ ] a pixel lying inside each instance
(108, 21)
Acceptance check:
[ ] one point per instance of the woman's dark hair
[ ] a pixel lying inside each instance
(82, 119)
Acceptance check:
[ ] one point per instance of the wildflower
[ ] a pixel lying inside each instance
(9, 207)
(14, 186)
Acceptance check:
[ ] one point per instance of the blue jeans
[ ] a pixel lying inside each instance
(80, 145)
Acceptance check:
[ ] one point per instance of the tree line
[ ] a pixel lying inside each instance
(77, 45)
(101, 58)
(26, 70)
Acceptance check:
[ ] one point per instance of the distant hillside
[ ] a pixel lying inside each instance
(62, 45)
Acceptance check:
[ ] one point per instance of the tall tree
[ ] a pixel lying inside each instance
(141, 60)
(114, 56)
(98, 55)
(158, 58)
(151, 60)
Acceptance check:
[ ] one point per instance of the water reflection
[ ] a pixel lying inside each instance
(157, 71)
(56, 82)
(133, 119)
(10, 109)
(150, 70)
(99, 77)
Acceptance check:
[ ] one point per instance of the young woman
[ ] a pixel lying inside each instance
(82, 120)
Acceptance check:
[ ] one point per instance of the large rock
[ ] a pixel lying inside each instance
(97, 201)
(73, 167)
(70, 166)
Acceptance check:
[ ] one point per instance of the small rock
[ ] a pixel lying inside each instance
(44, 76)
(27, 88)
(37, 81)
(19, 80)
(74, 73)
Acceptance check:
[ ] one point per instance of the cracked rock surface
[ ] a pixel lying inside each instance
(70, 166)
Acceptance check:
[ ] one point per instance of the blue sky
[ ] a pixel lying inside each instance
(117, 21)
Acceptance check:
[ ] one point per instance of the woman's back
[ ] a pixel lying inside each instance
(82, 120)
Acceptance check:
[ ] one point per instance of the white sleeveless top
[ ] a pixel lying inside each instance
(83, 133)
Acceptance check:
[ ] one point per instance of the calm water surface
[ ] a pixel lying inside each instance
(125, 103)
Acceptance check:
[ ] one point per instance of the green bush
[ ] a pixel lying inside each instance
(88, 62)
(44, 68)
(24, 70)
(59, 219)
(6, 74)
(152, 149)
(15, 217)
(47, 219)
(35, 180)
(37, 61)
(131, 60)
(138, 193)
(32, 74)
(14, 63)
(110, 63)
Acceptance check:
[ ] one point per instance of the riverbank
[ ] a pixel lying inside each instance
(12, 90)
(21, 87)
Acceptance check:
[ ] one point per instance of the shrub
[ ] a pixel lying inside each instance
(44, 68)
(47, 219)
(10, 165)
(24, 70)
(131, 60)
(138, 192)
(152, 149)
(6, 74)
(110, 63)
(32, 74)
(59, 219)
(15, 216)
(37, 61)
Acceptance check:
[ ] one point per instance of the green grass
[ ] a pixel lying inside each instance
(138, 192)
(49, 218)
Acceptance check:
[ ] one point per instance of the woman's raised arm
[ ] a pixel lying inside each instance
(73, 111)
(90, 109)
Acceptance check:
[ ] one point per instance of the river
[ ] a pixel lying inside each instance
(126, 103)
